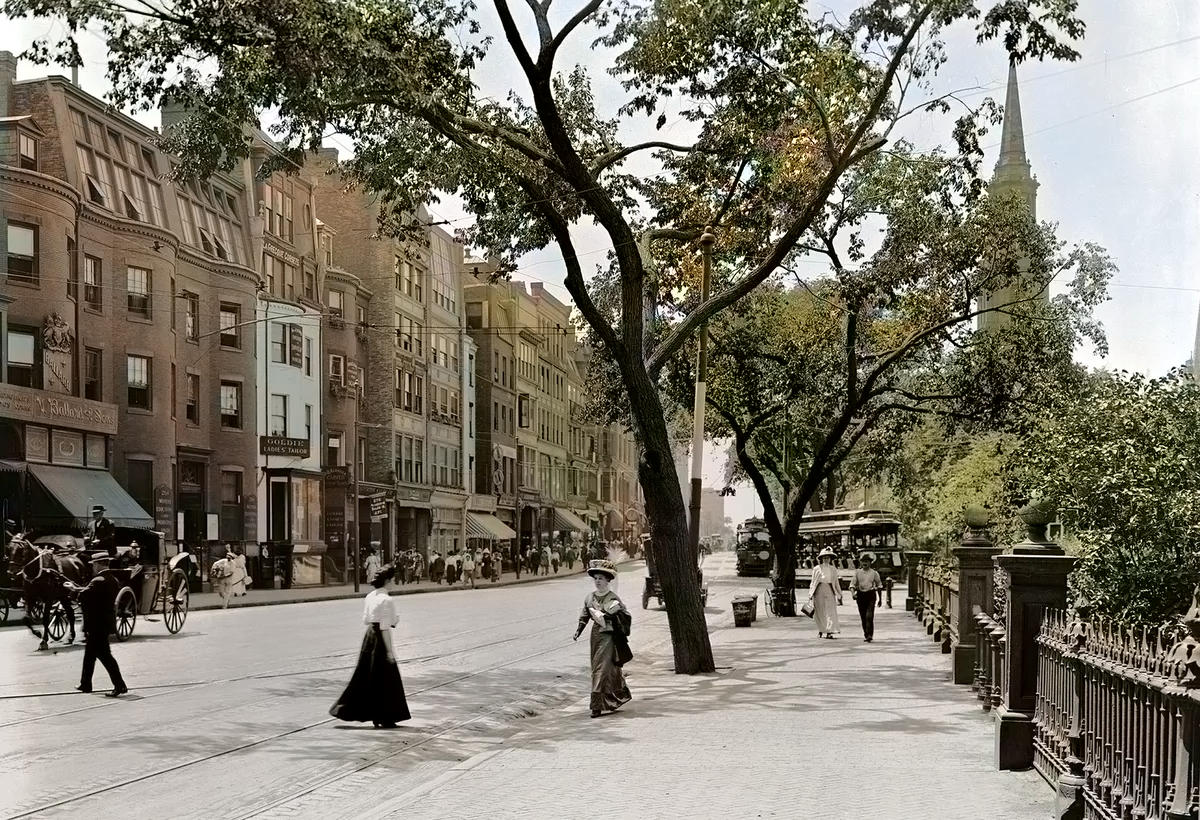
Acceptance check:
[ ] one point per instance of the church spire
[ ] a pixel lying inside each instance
(1013, 173)
(1012, 139)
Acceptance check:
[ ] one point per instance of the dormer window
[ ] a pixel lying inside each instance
(28, 152)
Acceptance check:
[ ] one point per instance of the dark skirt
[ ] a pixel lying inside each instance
(609, 691)
(375, 691)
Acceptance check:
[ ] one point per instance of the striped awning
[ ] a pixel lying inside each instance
(566, 520)
(482, 525)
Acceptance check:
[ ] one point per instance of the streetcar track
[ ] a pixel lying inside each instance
(280, 735)
(175, 688)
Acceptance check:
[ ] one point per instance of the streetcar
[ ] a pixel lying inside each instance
(755, 555)
(850, 533)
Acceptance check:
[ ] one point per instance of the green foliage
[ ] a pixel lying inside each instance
(1117, 456)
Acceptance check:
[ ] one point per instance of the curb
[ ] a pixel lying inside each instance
(310, 599)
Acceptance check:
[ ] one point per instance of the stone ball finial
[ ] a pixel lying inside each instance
(977, 516)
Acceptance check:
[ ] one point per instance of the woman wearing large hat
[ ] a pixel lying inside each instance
(825, 591)
(376, 691)
(610, 620)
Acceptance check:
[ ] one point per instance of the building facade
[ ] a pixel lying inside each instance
(117, 295)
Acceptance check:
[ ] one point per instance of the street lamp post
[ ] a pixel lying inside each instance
(354, 491)
(706, 243)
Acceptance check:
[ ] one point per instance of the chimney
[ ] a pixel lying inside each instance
(172, 114)
(8, 76)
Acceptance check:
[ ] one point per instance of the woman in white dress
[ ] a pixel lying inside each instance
(238, 581)
(825, 591)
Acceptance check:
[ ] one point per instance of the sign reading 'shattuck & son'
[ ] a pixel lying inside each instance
(41, 407)
(283, 446)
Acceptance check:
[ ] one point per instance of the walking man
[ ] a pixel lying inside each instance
(468, 568)
(865, 587)
(555, 560)
(98, 600)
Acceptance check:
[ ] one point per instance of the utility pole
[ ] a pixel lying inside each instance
(707, 240)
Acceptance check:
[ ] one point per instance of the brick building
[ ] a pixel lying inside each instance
(127, 378)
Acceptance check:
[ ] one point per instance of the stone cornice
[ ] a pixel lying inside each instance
(187, 254)
(44, 182)
(129, 226)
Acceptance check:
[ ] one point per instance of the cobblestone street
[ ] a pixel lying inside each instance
(228, 720)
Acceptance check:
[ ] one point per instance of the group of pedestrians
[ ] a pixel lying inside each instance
(825, 594)
(375, 692)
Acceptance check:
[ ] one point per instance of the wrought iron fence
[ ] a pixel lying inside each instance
(1116, 717)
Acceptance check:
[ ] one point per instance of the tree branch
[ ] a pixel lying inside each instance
(613, 157)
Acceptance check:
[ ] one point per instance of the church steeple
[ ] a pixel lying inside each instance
(1013, 173)
(1013, 176)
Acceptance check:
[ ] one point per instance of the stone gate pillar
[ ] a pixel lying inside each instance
(1031, 579)
(975, 570)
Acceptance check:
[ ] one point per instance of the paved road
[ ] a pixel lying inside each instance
(228, 718)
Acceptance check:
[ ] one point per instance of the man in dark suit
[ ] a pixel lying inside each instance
(98, 600)
(101, 534)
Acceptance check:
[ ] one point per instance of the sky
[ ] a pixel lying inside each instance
(1111, 139)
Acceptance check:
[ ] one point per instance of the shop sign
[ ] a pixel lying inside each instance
(164, 512)
(27, 404)
(295, 346)
(283, 446)
(337, 476)
(378, 507)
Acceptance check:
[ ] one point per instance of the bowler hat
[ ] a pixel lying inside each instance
(98, 508)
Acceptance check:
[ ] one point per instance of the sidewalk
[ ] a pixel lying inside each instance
(304, 595)
(792, 726)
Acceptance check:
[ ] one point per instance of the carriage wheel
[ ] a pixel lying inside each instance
(33, 611)
(126, 613)
(175, 601)
(58, 621)
(3, 608)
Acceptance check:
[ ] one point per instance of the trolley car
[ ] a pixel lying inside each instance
(850, 533)
(755, 555)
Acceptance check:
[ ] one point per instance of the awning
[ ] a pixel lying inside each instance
(482, 525)
(76, 489)
(567, 520)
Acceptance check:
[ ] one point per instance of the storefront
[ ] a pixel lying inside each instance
(295, 535)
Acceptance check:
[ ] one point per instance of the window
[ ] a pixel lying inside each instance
(337, 368)
(72, 269)
(28, 152)
(139, 481)
(308, 422)
(310, 284)
(495, 416)
(333, 450)
(22, 252)
(138, 282)
(402, 378)
(21, 358)
(92, 276)
(92, 371)
(362, 316)
(279, 342)
(192, 407)
(410, 457)
(191, 317)
(336, 303)
(231, 317)
(308, 355)
(278, 420)
(174, 394)
(231, 405)
(138, 381)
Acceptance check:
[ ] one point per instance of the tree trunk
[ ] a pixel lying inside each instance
(675, 561)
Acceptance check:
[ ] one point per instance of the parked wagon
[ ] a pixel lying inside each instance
(653, 588)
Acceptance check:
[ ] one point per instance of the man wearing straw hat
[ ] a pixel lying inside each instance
(865, 587)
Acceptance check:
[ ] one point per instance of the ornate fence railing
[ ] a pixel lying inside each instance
(937, 601)
(1109, 717)
(1116, 719)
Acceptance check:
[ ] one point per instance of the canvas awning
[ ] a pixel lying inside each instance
(482, 525)
(566, 520)
(76, 489)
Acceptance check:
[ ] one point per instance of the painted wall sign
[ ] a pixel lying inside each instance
(27, 404)
(283, 446)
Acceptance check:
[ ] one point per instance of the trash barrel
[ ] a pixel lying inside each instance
(753, 608)
(743, 610)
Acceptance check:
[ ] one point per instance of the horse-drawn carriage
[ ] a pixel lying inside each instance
(653, 588)
(147, 578)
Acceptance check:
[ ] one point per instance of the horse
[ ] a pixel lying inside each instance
(44, 578)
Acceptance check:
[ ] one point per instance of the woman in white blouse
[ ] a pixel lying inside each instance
(825, 592)
(375, 691)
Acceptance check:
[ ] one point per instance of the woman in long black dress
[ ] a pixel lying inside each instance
(600, 608)
(375, 691)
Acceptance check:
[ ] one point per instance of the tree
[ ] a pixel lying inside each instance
(1117, 456)
(784, 103)
(828, 374)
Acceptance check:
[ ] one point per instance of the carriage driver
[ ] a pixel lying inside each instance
(101, 534)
